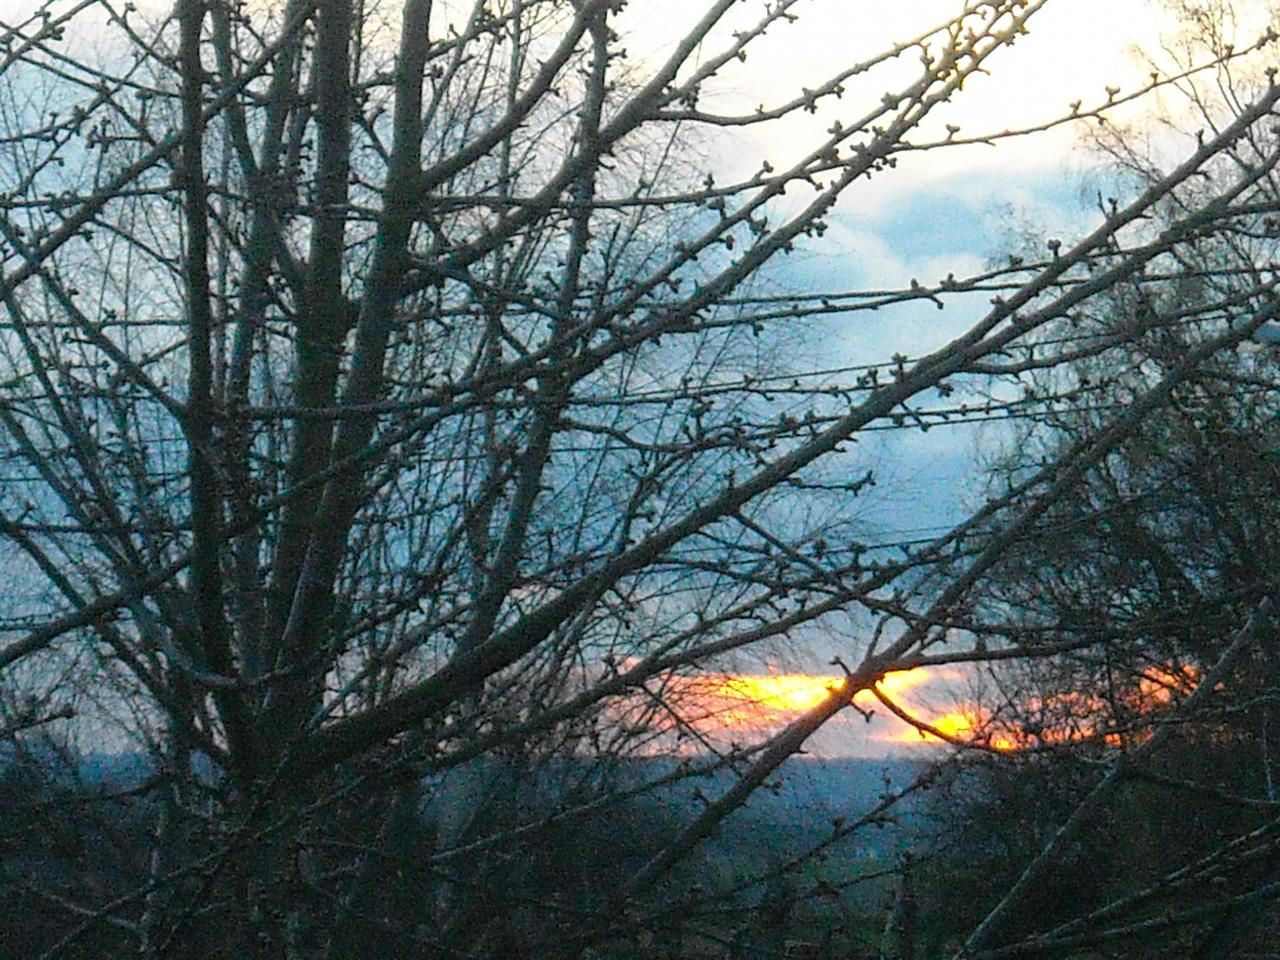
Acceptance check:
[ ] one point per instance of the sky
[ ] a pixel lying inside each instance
(947, 211)
(944, 212)
(739, 705)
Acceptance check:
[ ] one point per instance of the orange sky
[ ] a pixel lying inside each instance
(727, 706)
(736, 705)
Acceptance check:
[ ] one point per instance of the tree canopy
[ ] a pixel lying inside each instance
(406, 410)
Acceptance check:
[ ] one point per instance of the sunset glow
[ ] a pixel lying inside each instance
(797, 692)
(959, 725)
(759, 702)
(786, 692)
(736, 700)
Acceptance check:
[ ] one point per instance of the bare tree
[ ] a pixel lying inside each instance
(398, 406)
(1149, 739)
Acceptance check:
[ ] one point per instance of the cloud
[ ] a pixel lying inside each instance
(738, 707)
(1074, 51)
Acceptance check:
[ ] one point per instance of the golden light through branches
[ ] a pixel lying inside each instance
(730, 704)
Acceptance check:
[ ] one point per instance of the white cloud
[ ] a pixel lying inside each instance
(1074, 52)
